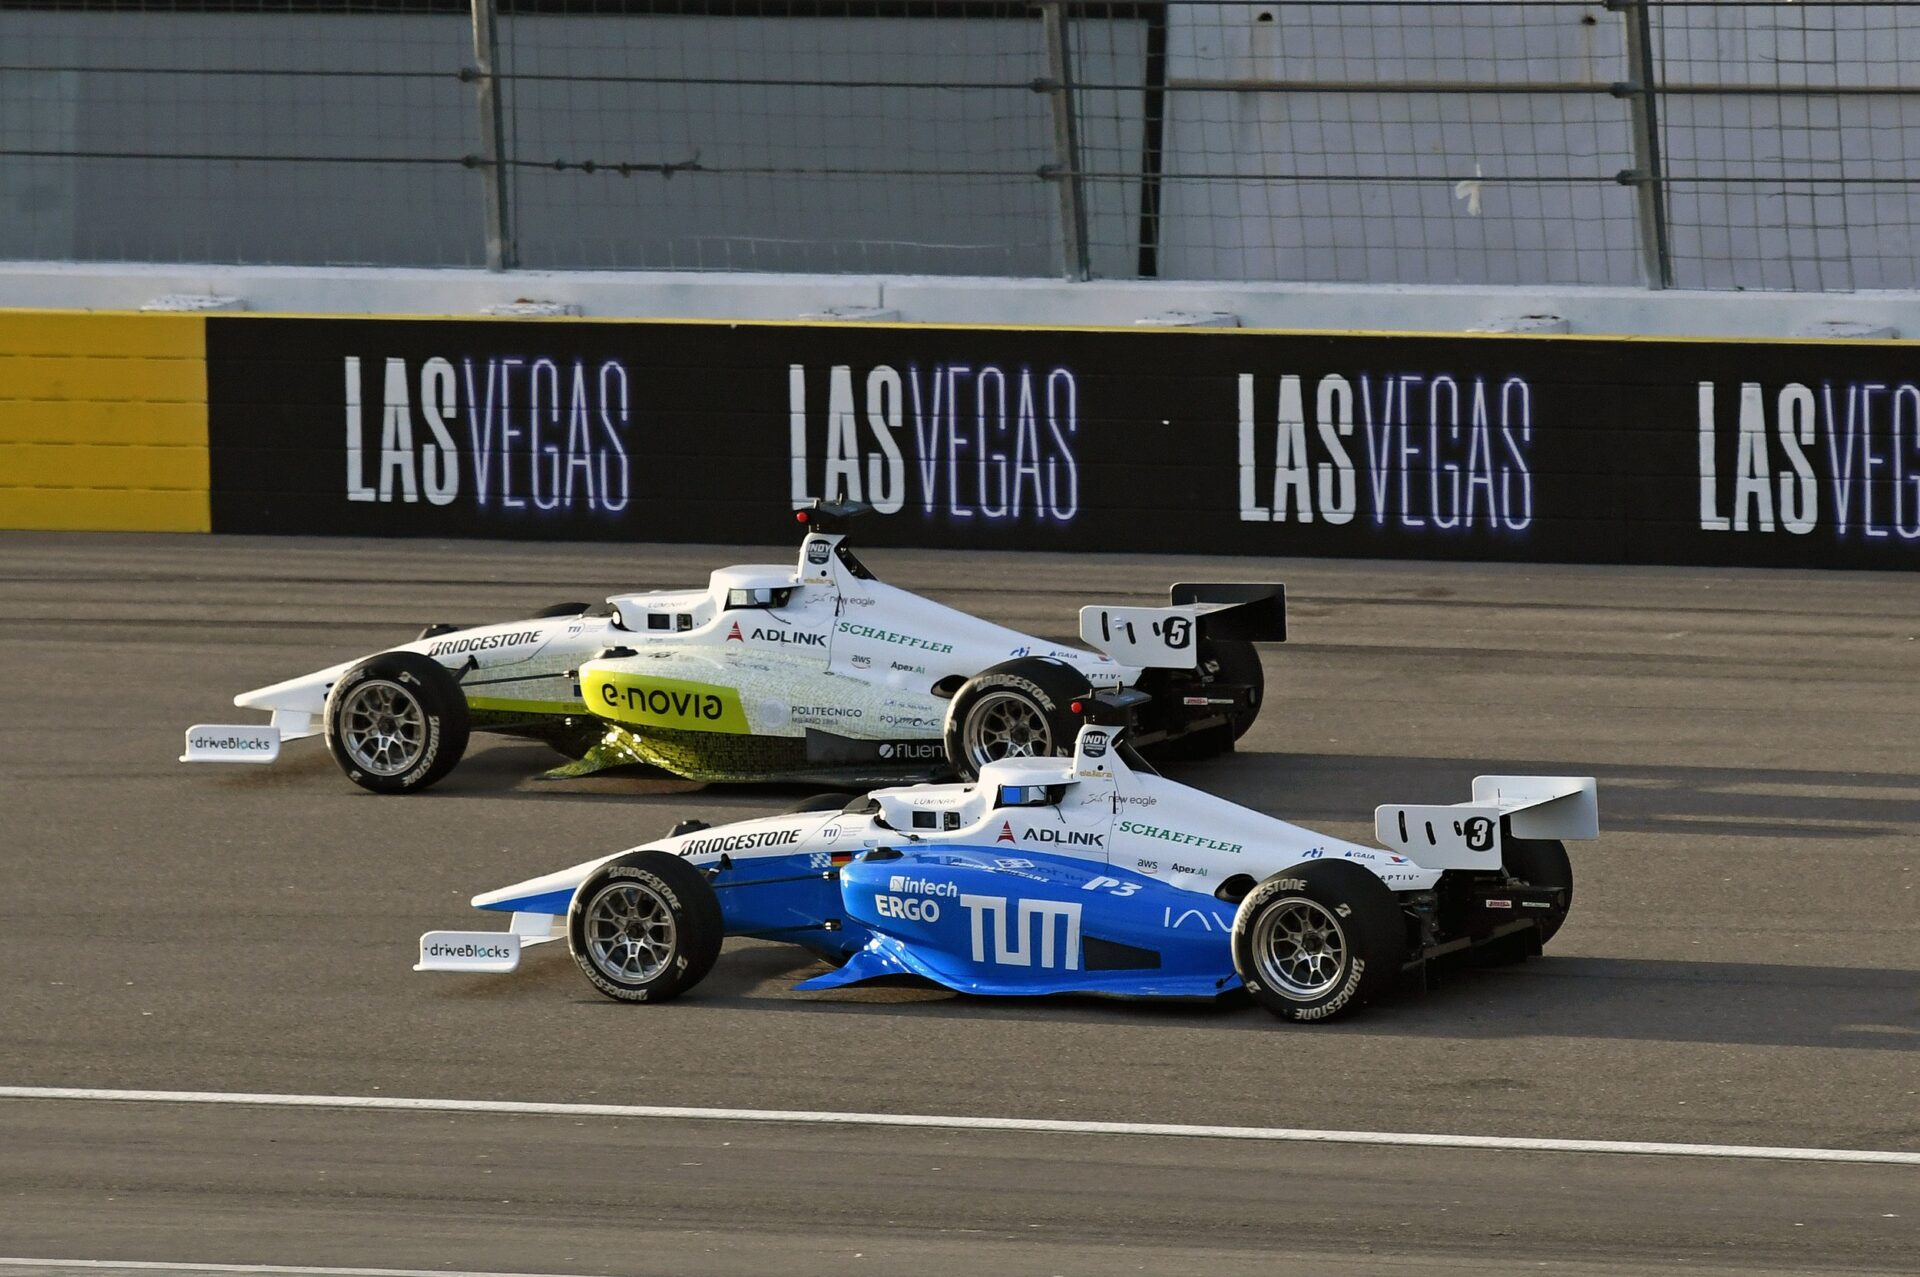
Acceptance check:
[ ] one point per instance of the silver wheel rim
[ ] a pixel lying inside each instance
(630, 932)
(383, 727)
(1006, 725)
(1300, 948)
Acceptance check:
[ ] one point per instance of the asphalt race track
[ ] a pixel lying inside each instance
(1742, 966)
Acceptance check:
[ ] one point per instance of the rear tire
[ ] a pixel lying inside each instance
(396, 723)
(1318, 940)
(645, 927)
(1542, 862)
(1017, 709)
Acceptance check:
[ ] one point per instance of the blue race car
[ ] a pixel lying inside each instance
(1086, 874)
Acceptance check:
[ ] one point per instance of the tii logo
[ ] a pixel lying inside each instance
(1017, 946)
(1006, 832)
(734, 635)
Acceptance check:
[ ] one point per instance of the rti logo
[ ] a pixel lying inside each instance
(1042, 933)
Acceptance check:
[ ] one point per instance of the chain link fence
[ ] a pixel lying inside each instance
(1768, 144)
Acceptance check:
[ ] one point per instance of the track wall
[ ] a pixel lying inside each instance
(103, 421)
(1548, 449)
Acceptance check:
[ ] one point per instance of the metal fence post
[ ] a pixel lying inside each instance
(1642, 92)
(1065, 170)
(493, 148)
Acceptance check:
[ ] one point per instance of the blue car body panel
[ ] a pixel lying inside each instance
(983, 921)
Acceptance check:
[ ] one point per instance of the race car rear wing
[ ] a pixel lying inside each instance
(1169, 637)
(1471, 835)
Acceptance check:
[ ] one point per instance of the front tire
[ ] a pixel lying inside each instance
(1318, 940)
(396, 723)
(1017, 709)
(645, 927)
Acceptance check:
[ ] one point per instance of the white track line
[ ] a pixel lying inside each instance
(1274, 1134)
(149, 1266)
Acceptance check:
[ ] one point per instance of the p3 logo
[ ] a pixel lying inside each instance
(1479, 834)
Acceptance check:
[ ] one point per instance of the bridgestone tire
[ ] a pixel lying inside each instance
(1318, 940)
(687, 927)
(1541, 862)
(1238, 661)
(416, 685)
(1035, 688)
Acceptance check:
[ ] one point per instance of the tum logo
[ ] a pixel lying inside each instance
(1016, 947)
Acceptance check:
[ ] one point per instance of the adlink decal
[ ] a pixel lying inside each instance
(1141, 830)
(975, 443)
(1062, 837)
(791, 638)
(664, 702)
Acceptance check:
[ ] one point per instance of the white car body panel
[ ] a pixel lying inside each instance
(1108, 813)
(841, 642)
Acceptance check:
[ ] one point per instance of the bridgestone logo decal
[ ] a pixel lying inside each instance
(740, 842)
(482, 643)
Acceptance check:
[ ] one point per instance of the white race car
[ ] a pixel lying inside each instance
(1086, 874)
(771, 672)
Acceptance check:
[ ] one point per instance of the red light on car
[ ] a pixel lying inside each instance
(800, 516)
(1077, 708)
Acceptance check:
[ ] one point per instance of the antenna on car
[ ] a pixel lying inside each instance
(829, 516)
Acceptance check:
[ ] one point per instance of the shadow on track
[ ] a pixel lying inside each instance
(1758, 1004)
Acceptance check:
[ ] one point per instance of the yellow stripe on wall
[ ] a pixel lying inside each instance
(103, 421)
